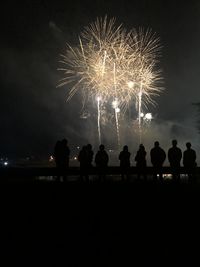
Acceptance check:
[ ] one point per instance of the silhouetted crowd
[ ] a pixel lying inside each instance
(101, 160)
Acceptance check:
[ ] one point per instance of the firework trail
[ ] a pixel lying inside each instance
(98, 118)
(117, 110)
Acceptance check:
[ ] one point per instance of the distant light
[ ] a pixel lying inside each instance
(148, 116)
(5, 163)
(78, 147)
(51, 158)
(167, 176)
(75, 158)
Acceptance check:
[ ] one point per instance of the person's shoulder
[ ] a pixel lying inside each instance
(193, 151)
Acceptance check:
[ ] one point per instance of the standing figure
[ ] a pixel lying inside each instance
(82, 158)
(61, 154)
(89, 159)
(101, 160)
(158, 157)
(124, 158)
(57, 157)
(141, 164)
(189, 161)
(90, 155)
(65, 152)
(174, 157)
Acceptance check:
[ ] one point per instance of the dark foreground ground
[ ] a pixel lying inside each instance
(72, 224)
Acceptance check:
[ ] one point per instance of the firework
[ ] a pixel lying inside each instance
(113, 63)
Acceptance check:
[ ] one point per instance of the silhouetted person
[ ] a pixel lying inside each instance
(189, 161)
(82, 158)
(141, 164)
(85, 158)
(57, 157)
(90, 155)
(64, 153)
(101, 160)
(174, 157)
(158, 157)
(124, 158)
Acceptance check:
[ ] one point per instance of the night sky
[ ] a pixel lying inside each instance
(34, 113)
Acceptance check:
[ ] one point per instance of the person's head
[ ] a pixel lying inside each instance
(188, 145)
(156, 144)
(64, 141)
(101, 147)
(89, 146)
(125, 148)
(58, 142)
(58, 145)
(141, 147)
(174, 143)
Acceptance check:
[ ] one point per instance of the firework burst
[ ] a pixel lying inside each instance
(113, 64)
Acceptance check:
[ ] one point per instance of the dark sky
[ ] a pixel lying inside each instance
(34, 113)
